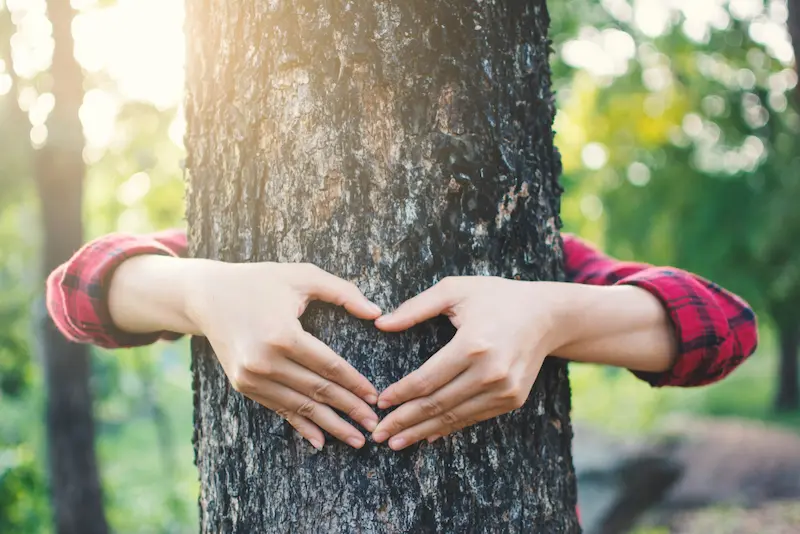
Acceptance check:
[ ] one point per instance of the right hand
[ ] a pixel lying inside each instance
(250, 314)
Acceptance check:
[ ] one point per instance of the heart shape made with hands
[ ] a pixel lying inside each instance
(487, 369)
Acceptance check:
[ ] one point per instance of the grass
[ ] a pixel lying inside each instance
(617, 401)
(151, 489)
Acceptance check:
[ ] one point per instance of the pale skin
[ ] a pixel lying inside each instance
(505, 330)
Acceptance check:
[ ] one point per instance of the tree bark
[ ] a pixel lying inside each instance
(787, 398)
(392, 144)
(59, 171)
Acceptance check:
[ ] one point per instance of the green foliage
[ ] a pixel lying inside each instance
(136, 183)
(698, 163)
(15, 368)
(23, 495)
(24, 500)
(702, 142)
(145, 448)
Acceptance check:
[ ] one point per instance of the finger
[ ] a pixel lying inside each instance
(315, 355)
(322, 285)
(292, 403)
(471, 412)
(437, 371)
(304, 427)
(442, 401)
(432, 302)
(324, 391)
(308, 430)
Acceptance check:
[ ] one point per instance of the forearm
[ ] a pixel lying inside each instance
(148, 294)
(624, 326)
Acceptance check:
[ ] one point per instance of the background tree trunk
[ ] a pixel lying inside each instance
(793, 23)
(393, 144)
(59, 172)
(788, 396)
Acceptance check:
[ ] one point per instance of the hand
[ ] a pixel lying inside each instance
(249, 313)
(505, 330)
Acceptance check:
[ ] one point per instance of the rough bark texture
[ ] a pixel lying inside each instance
(393, 144)
(59, 170)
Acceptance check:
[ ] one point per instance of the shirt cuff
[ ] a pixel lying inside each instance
(84, 287)
(700, 326)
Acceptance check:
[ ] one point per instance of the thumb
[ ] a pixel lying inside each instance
(428, 304)
(322, 285)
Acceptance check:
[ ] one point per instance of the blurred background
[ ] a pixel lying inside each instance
(679, 131)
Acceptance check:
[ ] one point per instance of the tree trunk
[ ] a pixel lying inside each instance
(392, 144)
(788, 396)
(59, 171)
(793, 23)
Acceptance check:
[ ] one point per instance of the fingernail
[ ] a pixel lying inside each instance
(383, 404)
(380, 436)
(316, 443)
(375, 308)
(370, 424)
(371, 399)
(397, 443)
(354, 442)
(433, 438)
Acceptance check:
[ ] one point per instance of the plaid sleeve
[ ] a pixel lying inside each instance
(716, 330)
(77, 291)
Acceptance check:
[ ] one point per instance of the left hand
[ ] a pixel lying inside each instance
(505, 331)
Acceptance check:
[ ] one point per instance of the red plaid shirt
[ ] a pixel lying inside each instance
(716, 330)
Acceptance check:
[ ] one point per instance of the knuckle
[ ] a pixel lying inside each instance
(422, 384)
(479, 346)
(429, 407)
(397, 426)
(283, 412)
(254, 363)
(360, 390)
(279, 339)
(513, 396)
(321, 390)
(306, 409)
(346, 293)
(333, 369)
(355, 413)
(496, 375)
(450, 419)
(241, 379)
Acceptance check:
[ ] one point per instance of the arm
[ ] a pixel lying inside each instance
(621, 326)
(79, 291)
(124, 290)
(670, 327)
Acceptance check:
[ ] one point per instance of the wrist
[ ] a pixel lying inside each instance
(576, 311)
(148, 293)
(198, 280)
(552, 311)
(621, 325)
